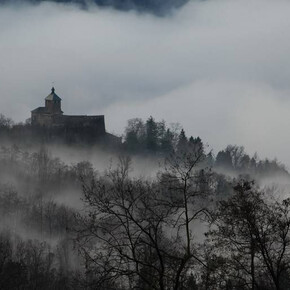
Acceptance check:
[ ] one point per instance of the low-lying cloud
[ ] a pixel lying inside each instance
(220, 68)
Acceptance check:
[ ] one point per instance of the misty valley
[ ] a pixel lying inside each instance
(156, 210)
(156, 152)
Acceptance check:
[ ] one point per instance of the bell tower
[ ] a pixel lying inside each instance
(53, 103)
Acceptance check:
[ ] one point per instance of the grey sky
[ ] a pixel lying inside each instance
(221, 68)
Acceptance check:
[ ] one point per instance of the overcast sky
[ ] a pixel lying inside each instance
(221, 68)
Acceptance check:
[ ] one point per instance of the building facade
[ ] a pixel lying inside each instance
(51, 117)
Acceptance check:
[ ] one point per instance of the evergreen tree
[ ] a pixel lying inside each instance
(167, 142)
(151, 135)
(196, 144)
(182, 142)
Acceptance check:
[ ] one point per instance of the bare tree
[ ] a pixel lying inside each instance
(141, 231)
(252, 235)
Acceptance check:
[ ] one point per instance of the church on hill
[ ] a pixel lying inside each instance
(51, 117)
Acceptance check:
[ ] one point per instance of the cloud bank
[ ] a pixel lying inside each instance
(156, 7)
(220, 68)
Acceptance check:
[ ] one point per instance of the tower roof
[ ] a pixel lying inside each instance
(53, 96)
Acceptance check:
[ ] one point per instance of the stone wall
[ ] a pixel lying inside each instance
(94, 123)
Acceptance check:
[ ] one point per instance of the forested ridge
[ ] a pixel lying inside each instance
(199, 221)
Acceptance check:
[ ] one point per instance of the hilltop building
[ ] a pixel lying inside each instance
(51, 121)
(51, 116)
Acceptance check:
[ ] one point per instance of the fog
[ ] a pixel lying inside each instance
(55, 200)
(220, 68)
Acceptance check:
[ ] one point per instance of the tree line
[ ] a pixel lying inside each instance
(156, 138)
(191, 226)
(174, 233)
(149, 138)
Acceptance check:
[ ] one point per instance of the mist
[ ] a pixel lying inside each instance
(213, 66)
(218, 68)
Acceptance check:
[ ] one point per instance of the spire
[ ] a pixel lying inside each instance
(52, 96)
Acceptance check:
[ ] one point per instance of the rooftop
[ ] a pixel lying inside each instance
(39, 110)
(53, 96)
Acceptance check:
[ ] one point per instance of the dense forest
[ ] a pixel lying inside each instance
(164, 212)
